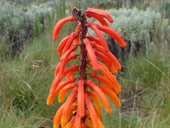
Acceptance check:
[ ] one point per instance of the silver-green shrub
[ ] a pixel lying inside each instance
(19, 23)
(137, 25)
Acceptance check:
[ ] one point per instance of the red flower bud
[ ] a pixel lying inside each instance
(99, 13)
(99, 18)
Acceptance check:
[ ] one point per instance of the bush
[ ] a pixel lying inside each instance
(136, 25)
(18, 24)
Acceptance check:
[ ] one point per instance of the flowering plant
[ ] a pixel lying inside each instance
(79, 111)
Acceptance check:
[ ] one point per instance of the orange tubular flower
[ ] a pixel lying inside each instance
(57, 80)
(62, 44)
(59, 25)
(63, 84)
(71, 123)
(111, 94)
(100, 93)
(70, 74)
(99, 18)
(78, 121)
(100, 123)
(95, 39)
(92, 112)
(109, 75)
(64, 91)
(99, 35)
(57, 69)
(96, 99)
(72, 56)
(76, 41)
(91, 54)
(53, 94)
(100, 13)
(65, 59)
(58, 116)
(83, 126)
(106, 82)
(115, 35)
(72, 68)
(73, 36)
(81, 109)
(88, 122)
(107, 61)
(98, 114)
(55, 83)
(115, 62)
(67, 107)
(78, 111)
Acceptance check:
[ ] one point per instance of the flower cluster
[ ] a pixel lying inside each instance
(78, 111)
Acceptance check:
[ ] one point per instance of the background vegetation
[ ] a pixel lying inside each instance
(28, 58)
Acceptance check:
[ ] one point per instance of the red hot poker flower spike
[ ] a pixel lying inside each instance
(78, 110)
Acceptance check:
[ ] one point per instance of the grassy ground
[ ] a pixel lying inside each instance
(25, 82)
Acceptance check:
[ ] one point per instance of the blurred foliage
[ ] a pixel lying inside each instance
(165, 8)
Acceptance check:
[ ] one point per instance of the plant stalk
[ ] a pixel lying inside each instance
(80, 17)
